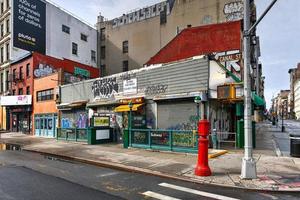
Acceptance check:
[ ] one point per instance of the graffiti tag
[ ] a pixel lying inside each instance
(105, 88)
(156, 89)
(234, 10)
(43, 70)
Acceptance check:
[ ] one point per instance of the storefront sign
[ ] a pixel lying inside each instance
(16, 100)
(231, 57)
(103, 121)
(226, 92)
(102, 134)
(130, 86)
(133, 101)
(82, 72)
(29, 25)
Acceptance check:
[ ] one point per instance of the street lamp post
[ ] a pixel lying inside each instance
(282, 114)
(197, 100)
(130, 121)
(248, 163)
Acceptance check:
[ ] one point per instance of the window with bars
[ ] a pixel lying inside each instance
(125, 46)
(45, 95)
(74, 48)
(125, 65)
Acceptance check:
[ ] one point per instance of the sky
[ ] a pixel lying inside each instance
(279, 33)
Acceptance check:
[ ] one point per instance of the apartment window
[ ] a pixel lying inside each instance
(125, 46)
(2, 7)
(163, 16)
(1, 89)
(7, 4)
(93, 55)
(21, 73)
(28, 90)
(28, 70)
(14, 92)
(45, 95)
(7, 80)
(2, 30)
(102, 70)
(102, 34)
(7, 52)
(83, 37)
(20, 91)
(102, 52)
(7, 25)
(14, 74)
(1, 55)
(125, 65)
(74, 48)
(65, 29)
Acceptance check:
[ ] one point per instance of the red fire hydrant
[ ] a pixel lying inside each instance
(202, 168)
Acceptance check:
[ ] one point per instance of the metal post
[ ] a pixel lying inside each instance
(130, 123)
(198, 113)
(248, 163)
(282, 127)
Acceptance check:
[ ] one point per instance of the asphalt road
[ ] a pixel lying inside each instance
(25, 175)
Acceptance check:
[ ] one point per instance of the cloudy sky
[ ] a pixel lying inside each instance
(279, 33)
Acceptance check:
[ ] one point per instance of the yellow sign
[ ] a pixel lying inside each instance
(101, 121)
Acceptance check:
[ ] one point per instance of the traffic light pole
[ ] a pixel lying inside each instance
(248, 163)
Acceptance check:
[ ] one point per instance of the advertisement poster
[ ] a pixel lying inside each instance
(101, 121)
(29, 25)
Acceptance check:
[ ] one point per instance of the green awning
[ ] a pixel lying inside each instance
(258, 101)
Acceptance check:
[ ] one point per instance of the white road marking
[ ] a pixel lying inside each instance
(159, 196)
(197, 192)
(107, 174)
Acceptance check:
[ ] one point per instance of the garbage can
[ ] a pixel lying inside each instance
(295, 145)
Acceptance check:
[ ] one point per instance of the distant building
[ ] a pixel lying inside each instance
(294, 76)
(129, 41)
(40, 26)
(280, 105)
(29, 93)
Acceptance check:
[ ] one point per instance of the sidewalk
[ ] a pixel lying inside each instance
(274, 173)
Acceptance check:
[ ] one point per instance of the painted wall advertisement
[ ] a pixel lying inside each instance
(16, 100)
(130, 86)
(29, 25)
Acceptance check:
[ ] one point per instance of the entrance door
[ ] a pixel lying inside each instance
(37, 127)
(50, 127)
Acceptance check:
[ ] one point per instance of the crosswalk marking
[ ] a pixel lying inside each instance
(159, 196)
(197, 192)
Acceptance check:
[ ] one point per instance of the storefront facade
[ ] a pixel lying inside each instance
(162, 96)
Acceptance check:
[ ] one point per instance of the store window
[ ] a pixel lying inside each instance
(45, 95)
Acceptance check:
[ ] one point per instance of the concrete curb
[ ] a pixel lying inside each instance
(132, 169)
(214, 155)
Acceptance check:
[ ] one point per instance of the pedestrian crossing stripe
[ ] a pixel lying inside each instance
(159, 196)
(197, 192)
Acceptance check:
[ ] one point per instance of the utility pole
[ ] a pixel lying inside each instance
(248, 163)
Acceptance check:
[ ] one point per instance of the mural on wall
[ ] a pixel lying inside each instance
(67, 123)
(234, 10)
(231, 61)
(156, 89)
(81, 120)
(105, 88)
(70, 78)
(43, 70)
(144, 13)
(191, 124)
